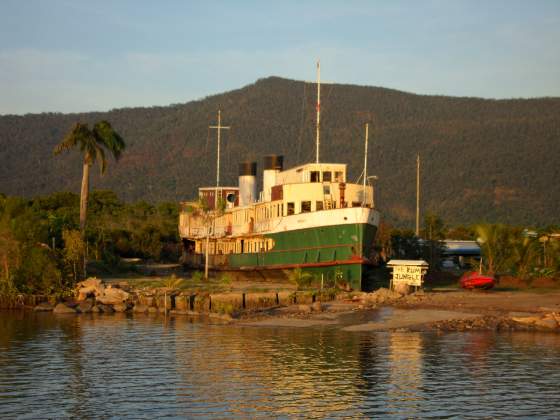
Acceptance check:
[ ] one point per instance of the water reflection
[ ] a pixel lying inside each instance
(145, 367)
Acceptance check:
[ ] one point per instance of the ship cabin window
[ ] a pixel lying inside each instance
(291, 209)
(318, 205)
(314, 176)
(305, 206)
(338, 176)
(327, 176)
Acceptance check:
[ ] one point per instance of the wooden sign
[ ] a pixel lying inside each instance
(406, 272)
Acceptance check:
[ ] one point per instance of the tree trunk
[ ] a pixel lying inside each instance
(84, 199)
(207, 255)
(83, 208)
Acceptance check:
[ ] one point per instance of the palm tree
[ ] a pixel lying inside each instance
(494, 243)
(93, 144)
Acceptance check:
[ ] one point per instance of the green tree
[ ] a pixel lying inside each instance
(9, 258)
(74, 250)
(93, 144)
(434, 228)
(495, 242)
(405, 245)
(524, 254)
(434, 233)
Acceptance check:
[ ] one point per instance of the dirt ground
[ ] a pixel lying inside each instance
(493, 302)
(450, 310)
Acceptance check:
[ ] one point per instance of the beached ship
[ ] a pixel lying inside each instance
(308, 216)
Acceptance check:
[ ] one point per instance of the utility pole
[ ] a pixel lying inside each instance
(365, 165)
(417, 195)
(218, 127)
(318, 140)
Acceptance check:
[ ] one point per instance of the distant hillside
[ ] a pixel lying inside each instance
(494, 160)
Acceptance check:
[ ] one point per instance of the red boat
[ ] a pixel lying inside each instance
(474, 280)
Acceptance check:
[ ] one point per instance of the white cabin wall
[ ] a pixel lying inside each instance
(269, 180)
(301, 173)
(247, 190)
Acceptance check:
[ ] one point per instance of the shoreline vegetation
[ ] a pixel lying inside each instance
(42, 250)
(44, 258)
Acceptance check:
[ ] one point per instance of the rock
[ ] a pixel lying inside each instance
(106, 309)
(304, 308)
(261, 300)
(85, 306)
(547, 323)
(182, 302)
(382, 295)
(526, 320)
(225, 303)
(140, 309)
(43, 307)
(317, 306)
(120, 307)
(223, 317)
(178, 312)
(152, 310)
(554, 315)
(147, 300)
(90, 287)
(403, 289)
(95, 309)
(113, 296)
(201, 303)
(61, 308)
(286, 298)
(304, 297)
(124, 285)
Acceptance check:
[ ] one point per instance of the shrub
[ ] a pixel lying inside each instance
(300, 278)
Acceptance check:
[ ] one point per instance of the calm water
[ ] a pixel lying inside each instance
(148, 367)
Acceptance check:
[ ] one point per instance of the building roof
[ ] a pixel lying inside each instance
(421, 263)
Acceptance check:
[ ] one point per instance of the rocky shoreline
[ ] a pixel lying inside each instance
(420, 311)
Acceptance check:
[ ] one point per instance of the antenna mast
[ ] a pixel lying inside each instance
(318, 140)
(365, 166)
(218, 127)
(417, 195)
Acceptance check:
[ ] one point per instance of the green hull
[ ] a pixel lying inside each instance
(333, 254)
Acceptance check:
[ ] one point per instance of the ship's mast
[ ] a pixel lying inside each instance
(218, 127)
(318, 140)
(365, 165)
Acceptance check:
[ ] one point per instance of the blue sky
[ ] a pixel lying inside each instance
(77, 55)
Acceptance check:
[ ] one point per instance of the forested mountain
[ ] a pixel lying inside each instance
(482, 160)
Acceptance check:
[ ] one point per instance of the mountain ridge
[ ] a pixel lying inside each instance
(482, 159)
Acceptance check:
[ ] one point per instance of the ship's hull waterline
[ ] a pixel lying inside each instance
(334, 254)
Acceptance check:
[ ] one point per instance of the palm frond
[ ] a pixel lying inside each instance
(106, 136)
(100, 157)
(70, 140)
